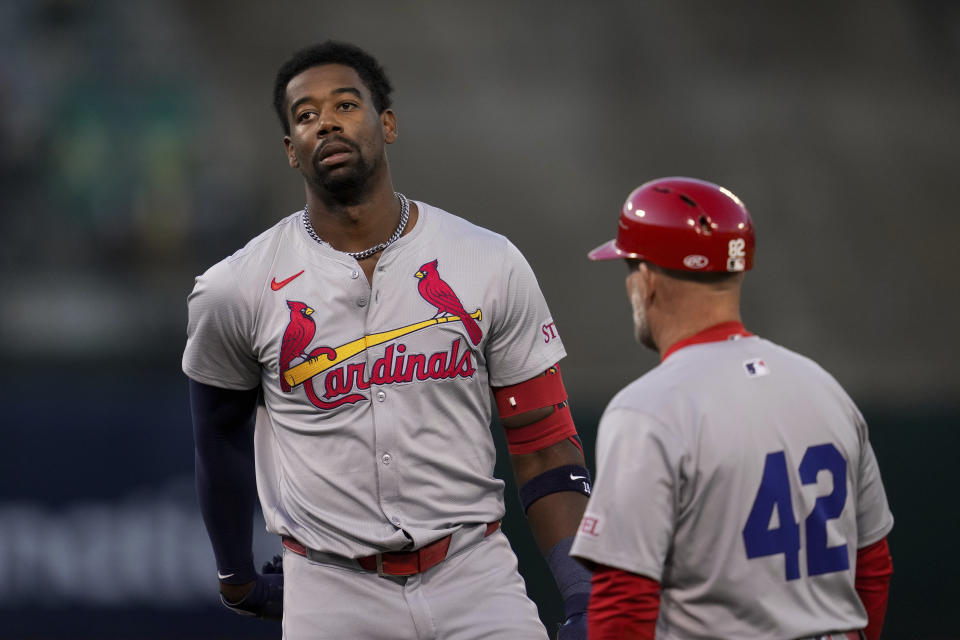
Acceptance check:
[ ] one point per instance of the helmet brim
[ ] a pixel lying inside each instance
(609, 251)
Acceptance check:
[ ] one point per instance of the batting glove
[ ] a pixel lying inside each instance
(265, 599)
(575, 628)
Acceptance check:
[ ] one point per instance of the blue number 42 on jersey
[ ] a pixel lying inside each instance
(774, 493)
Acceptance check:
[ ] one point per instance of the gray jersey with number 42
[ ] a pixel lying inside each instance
(739, 475)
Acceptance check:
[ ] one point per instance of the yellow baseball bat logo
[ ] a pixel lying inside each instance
(317, 365)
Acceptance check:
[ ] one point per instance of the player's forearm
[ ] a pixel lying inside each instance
(225, 475)
(227, 508)
(552, 483)
(557, 515)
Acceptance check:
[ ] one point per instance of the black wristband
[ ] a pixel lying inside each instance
(571, 477)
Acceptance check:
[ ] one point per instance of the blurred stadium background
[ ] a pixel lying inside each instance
(138, 146)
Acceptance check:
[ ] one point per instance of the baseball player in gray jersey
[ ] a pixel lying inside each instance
(374, 327)
(737, 493)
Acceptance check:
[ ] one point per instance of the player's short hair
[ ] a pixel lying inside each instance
(332, 52)
(703, 277)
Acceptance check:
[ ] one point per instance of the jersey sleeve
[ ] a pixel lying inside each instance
(219, 324)
(874, 520)
(630, 518)
(524, 340)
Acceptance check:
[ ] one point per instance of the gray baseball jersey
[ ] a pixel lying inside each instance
(377, 395)
(739, 475)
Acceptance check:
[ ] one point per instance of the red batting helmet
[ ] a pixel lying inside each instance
(683, 224)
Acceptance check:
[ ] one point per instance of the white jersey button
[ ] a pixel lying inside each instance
(395, 520)
(386, 458)
(354, 274)
(381, 396)
(361, 302)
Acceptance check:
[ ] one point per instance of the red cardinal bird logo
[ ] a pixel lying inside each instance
(439, 294)
(296, 337)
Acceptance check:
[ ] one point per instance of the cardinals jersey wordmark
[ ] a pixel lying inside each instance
(394, 367)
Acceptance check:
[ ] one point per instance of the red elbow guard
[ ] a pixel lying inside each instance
(542, 433)
(531, 394)
(537, 393)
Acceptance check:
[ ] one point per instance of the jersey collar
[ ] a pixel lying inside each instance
(717, 333)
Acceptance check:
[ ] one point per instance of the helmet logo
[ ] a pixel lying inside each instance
(737, 257)
(695, 261)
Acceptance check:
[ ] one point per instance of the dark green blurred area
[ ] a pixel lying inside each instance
(138, 147)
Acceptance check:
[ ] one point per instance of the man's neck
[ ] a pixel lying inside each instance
(358, 223)
(670, 331)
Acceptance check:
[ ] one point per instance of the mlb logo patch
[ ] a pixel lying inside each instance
(756, 368)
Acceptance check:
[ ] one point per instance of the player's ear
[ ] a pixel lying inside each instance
(651, 281)
(291, 153)
(388, 120)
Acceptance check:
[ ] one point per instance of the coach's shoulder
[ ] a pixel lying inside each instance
(800, 364)
(646, 394)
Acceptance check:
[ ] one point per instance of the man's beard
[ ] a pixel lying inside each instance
(347, 184)
(641, 328)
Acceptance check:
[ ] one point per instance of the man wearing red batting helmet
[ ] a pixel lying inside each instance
(737, 494)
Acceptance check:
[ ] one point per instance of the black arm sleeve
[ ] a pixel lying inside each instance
(223, 422)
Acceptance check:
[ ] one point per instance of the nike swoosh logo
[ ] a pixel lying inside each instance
(573, 477)
(224, 576)
(276, 286)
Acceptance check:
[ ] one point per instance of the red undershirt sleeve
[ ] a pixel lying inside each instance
(622, 605)
(625, 605)
(874, 568)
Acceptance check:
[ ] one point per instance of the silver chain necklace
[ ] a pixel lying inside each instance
(366, 253)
